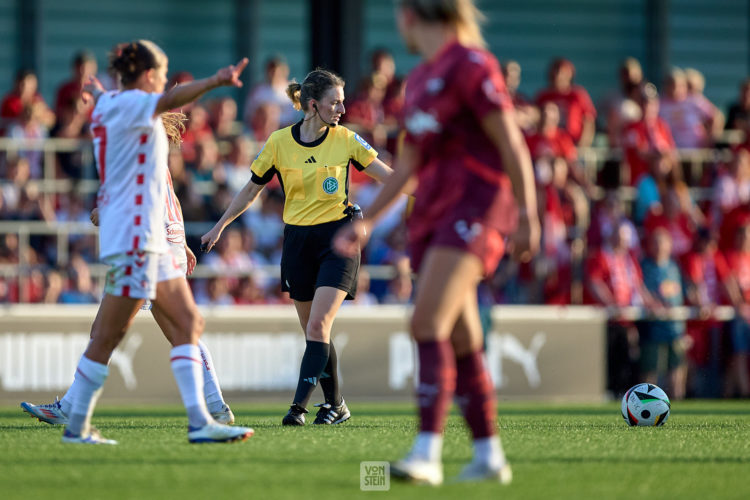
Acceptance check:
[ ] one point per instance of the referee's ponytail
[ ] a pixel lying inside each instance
(294, 90)
(315, 84)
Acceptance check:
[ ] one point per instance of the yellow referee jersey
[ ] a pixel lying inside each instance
(315, 175)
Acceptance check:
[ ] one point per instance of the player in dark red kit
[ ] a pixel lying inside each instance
(466, 152)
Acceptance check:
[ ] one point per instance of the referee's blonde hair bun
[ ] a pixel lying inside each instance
(294, 91)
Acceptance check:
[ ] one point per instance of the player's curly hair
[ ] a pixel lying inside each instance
(463, 14)
(315, 84)
(131, 59)
(174, 126)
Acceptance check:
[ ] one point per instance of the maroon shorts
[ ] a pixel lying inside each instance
(470, 235)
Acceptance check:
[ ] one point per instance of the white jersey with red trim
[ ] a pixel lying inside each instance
(131, 149)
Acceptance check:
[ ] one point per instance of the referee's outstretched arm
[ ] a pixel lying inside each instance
(240, 203)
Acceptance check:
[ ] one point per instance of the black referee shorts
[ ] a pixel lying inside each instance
(308, 261)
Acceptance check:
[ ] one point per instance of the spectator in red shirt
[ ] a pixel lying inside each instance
(613, 276)
(527, 114)
(705, 270)
(197, 129)
(25, 93)
(366, 115)
(614, 280)
(563, 203)
(649, 139)
(550, 140)
(577, 112)
(674, 214)
(552, 267)
(71, 124)
(702, 269)
(732, 187)
(384, 70)
(733, 220)
(83, 67)
(621, 106)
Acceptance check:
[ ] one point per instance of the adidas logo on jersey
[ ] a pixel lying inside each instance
(310, 160)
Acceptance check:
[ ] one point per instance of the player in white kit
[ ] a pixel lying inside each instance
(184, 262)
(130, 145)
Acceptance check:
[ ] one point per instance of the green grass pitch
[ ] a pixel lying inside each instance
(557, 452)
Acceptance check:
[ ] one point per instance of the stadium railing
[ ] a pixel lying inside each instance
(25, 230)
(593, 160)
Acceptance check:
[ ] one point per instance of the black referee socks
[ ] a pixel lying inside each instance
(313, 363)
(329, 379)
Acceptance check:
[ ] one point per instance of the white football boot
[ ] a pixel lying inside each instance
(93, 437)
(214, 432)
(51, 413)
(418, 470)
(482, 471)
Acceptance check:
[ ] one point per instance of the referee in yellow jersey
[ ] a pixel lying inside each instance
(311, 159)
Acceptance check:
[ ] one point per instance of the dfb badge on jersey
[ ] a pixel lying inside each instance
(330, 185)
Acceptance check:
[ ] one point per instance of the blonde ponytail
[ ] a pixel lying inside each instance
(462, 14)
(294, 91)
(468, 24)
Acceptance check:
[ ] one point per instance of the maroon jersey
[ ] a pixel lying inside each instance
(460, 172)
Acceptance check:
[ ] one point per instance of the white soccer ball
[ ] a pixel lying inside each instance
(645, 405)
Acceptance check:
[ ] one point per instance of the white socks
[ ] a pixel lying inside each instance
(428, 446)
(84, 393)
(66, 403)
(489, 451)
(211, 388)
(187, 366)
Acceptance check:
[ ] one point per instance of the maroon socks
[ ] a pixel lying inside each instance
(437, 382)
(475, 395)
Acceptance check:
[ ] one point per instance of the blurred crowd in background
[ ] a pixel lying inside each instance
(662, 220)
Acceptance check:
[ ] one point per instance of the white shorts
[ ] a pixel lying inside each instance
(135, 274)
(178, 267)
